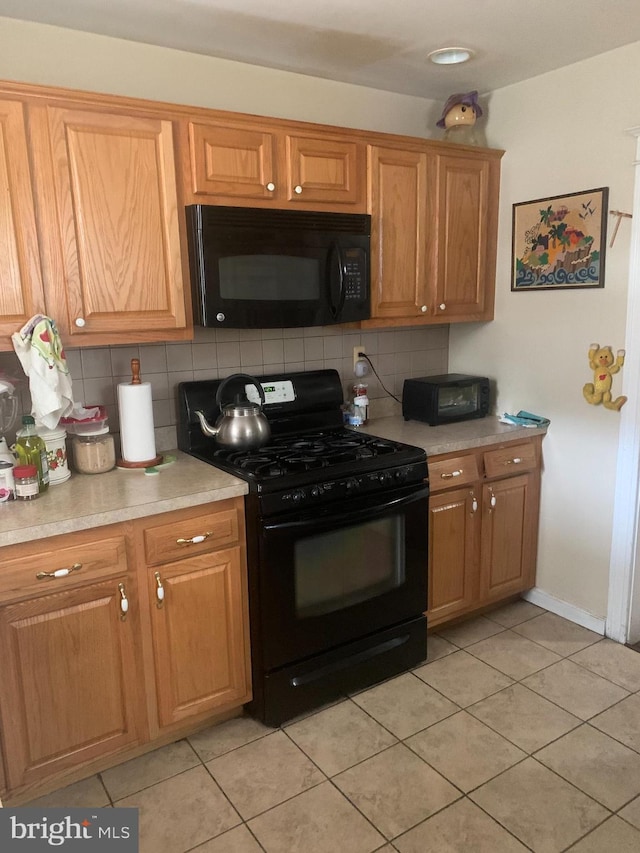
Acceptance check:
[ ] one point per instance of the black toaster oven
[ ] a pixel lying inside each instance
(445, 399)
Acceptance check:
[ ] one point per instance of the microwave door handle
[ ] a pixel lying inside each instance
(336, 275)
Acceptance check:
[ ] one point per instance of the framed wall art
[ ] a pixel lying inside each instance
(559, 242)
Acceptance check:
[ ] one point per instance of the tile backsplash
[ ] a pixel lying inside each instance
(215, 353)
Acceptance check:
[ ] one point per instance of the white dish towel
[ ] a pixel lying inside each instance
(39, 348)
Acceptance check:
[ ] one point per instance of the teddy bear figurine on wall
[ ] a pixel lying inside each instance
(603, 364)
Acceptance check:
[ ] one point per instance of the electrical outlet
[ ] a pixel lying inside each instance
(357, 351)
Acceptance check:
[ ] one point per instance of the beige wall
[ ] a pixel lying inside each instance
(563, 132)
(35, 53)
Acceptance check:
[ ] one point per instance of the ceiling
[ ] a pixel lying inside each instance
(378, 43)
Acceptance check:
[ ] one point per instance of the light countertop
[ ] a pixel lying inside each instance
(86, 501)
(451, 437)
(93, 500)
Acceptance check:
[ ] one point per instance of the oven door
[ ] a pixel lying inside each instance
(339, 573)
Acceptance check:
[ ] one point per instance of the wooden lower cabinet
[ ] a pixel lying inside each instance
(452, 543)
(483, 536)
(198, 636)
(70, 687)
(119, 648)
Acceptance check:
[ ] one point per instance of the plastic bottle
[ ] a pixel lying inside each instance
(31, 450)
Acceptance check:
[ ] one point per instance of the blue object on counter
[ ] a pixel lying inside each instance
(525, 419)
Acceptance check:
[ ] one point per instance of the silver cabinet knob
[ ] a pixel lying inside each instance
(80, 322)
(271, 186)
(297, 189)
(442, 306)
(424, 309)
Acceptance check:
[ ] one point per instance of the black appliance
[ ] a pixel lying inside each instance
(337, 526)
(445, 399)
(261, 268)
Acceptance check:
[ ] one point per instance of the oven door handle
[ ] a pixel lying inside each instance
(344, 513)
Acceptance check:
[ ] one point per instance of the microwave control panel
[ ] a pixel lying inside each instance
(354, 272)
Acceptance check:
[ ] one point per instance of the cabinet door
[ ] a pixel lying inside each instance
(466, 212)
(398, 206)
(110, 178)
(69, 691)
(453, 549)
(327, 172)
(21, 294)
(232, 162)
(509, 536)
(199, 635)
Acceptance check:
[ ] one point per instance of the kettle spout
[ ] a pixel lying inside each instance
(206, 427)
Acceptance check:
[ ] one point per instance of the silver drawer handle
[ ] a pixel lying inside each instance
(59, 573)
(195, 540)
(515, 461)
(451, 474)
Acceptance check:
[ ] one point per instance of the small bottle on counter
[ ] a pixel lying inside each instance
(361, 402)
(94, 452)
(26, 482)
(7, 484)
(31, 450)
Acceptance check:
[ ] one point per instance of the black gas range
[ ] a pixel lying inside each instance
(336, 543)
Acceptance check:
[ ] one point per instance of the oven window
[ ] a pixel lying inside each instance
(340, 568)
(456, 401)
(273, 278)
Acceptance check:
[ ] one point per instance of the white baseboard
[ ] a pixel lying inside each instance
(566, 610)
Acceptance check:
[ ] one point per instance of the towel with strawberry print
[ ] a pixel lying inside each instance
(39, 348)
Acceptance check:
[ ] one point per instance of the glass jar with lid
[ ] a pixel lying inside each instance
(94, 452)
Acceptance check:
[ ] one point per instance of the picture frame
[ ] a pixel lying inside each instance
(559, 242)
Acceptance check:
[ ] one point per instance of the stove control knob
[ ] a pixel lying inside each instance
(316, 491)
(297, 496)
(352, 484)
(401, 475)
(384, 478)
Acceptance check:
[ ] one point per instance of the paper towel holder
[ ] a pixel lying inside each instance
(147, 463)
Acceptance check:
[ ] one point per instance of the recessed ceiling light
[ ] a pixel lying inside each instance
(450, 55)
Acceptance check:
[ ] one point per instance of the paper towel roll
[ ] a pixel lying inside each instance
(136, 422)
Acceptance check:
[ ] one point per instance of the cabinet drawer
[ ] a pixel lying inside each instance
(188, 537)
(457, 471)
(95, 558)
(510, 460)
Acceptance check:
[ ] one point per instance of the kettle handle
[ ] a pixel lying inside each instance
(252, 381)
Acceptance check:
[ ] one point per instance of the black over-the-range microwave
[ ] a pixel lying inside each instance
(261, 268)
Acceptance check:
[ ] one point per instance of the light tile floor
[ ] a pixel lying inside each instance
(521, 732)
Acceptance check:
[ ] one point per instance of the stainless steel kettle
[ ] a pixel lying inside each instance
(241, 424)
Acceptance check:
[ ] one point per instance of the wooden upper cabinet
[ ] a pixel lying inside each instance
(398, 206)
(325, 171)
(237, 162)
(266, 165)
(108, 206)
(21, 292)
(434, 226)
(466, 223)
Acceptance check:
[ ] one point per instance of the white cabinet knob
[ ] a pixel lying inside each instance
(442, 306)
(297, 189)
(80, 322)
(271, 186)
(424, 309)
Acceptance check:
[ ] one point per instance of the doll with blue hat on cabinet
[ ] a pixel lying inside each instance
(459, 117)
